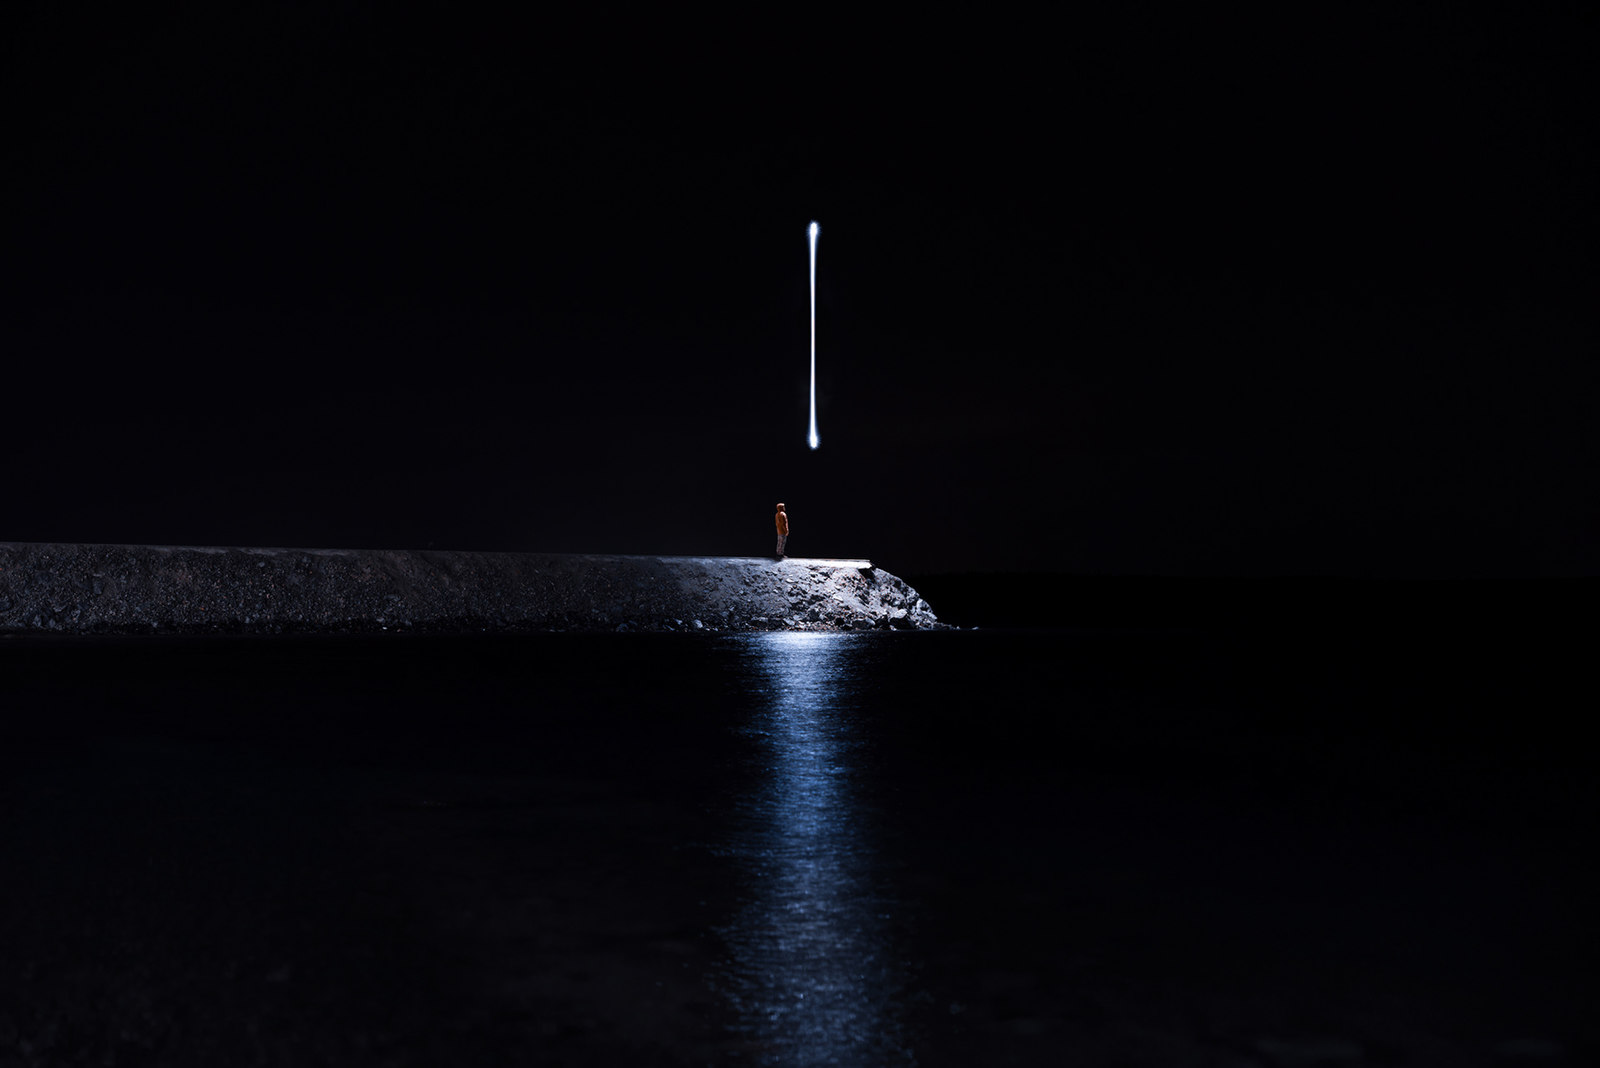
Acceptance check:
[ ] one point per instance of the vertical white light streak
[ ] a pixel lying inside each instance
(811, 435)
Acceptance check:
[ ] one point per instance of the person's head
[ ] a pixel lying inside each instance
(780, 506)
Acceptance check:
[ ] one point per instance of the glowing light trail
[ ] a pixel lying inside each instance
(811, 435)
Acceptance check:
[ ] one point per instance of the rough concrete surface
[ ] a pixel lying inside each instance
(119, 589)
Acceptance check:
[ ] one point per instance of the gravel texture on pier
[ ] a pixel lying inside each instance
(123, 589)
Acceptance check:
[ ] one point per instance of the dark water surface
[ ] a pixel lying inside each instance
(942, 849)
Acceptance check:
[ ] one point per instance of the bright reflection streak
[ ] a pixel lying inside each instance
(811, 435)
(811, 974)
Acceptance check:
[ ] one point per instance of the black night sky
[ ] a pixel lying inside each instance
(1144, 295)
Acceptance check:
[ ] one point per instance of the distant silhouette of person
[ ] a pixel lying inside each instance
(782, 521)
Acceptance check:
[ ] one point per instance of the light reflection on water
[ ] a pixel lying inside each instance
(811, 974)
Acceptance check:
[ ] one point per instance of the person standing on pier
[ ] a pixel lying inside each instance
(782, 521)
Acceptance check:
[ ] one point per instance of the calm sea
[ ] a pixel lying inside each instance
(1009, 847)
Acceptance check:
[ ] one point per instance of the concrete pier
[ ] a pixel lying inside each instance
(123, 589)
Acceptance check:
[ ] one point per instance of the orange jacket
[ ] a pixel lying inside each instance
(782, 521)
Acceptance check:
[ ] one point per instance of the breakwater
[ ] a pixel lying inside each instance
(122, 589)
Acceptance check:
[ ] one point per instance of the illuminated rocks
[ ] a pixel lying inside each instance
(119, 589)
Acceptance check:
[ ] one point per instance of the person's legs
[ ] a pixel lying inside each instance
(781, 540)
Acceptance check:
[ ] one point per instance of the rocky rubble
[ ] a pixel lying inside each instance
(120, 589)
